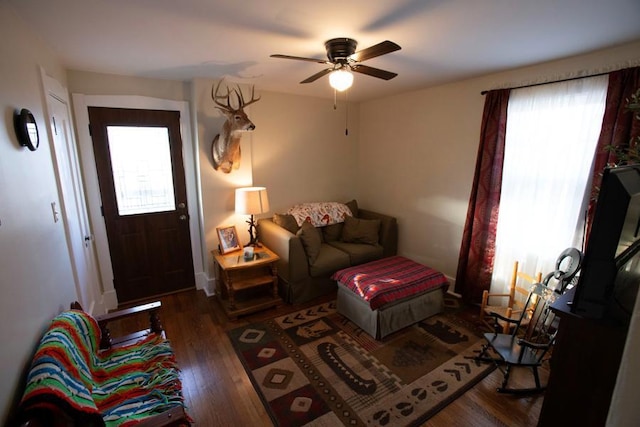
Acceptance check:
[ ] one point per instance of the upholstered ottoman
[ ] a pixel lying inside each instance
(386, 295)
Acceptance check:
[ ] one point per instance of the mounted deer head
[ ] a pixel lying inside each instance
(225, 148)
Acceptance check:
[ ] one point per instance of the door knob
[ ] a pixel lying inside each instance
(181, 205)
(183, 217)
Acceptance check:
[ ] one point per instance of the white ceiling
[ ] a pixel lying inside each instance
(441, 40)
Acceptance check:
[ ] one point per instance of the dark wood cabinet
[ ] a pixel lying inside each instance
(584, 368)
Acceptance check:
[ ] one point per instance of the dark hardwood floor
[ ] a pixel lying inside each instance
(218, 392)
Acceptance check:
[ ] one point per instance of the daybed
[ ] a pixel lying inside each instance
(314, 240)
(73, 382)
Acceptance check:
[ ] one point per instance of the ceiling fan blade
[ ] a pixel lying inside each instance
(299, 58)
(316, 76)
(375, 50)
(374, 72)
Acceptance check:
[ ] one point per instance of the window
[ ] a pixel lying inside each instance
(552, 131)
(141, 166)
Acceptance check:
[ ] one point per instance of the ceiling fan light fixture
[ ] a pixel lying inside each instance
(341, 80)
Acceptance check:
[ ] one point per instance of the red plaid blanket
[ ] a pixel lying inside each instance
(389, 279)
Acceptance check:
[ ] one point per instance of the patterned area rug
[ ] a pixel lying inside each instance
(316, 367)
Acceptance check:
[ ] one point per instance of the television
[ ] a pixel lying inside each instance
(610, 274)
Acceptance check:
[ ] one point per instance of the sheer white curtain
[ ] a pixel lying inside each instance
(551, 137)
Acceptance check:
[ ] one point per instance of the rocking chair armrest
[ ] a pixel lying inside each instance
(497, 328)
(497, 316)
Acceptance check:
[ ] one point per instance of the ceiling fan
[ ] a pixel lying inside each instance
(343, 58)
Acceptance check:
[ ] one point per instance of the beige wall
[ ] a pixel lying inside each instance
(424, 144)
(301, 152)
(35, 271)
(411, 155)
(424, 150)
(298, 151)
(89, 83)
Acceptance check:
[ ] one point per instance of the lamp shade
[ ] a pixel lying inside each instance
(340, 80)
(251, 200)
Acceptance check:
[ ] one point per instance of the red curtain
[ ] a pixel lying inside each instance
(618, 126)
(477, 252)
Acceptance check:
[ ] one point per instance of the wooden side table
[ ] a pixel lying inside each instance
(246, 286)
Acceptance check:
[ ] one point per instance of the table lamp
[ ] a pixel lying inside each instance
(252, 201)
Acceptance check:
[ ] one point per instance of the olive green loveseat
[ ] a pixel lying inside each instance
(310, 255)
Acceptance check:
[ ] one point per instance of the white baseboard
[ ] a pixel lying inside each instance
(110, 300)
(201, 280)
(210, 287)
(453, 294)
(452, 287)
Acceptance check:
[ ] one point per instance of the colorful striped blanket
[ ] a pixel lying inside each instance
(116, 387)
(389, 279)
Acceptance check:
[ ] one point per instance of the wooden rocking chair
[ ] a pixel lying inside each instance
(515, 299)
(526, 349)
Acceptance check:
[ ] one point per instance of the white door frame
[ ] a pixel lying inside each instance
(81, 103)
(73, 206)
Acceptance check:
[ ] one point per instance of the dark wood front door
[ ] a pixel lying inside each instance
(144, 200)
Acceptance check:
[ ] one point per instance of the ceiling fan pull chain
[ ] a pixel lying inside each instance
(346, 119)
(335, 99)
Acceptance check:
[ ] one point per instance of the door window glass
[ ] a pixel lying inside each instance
(141, 167)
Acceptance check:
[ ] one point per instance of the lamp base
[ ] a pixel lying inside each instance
(253, 240)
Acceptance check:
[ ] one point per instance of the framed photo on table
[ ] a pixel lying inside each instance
(228, 237)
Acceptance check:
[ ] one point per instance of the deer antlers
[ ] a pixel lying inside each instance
(239, 96)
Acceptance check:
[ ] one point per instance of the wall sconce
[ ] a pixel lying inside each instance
(252, 201)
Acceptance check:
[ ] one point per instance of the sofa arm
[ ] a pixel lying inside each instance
(388, 230)
(293, 264)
